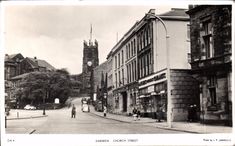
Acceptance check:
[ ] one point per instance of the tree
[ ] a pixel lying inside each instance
(60, 85)
(34, 87)
(39, 86)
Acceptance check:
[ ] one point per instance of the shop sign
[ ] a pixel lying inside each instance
(155, 78)
(150, 89)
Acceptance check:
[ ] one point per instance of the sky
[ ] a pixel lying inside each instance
(56, 33)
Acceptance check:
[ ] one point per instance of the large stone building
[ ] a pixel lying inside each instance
(16, 67)
(11, 65)
(140, 74)
(164, 78)
(211, 60)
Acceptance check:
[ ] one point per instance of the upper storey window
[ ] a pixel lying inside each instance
(207, 39)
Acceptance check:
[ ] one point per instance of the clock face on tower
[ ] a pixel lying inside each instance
(89, 63)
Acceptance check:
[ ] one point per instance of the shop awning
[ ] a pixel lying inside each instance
(162, 92)
(141, 96)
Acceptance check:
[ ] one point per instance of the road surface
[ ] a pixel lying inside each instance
(60, 122)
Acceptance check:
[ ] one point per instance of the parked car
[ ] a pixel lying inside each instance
(29, 107)
(85, 107)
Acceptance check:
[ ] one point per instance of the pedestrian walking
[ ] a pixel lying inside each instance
(138, 114)
(73, 112)
(134, 113)
(105, 111)
(159, 113)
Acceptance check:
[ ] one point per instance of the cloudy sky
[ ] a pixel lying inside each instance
(55, 33)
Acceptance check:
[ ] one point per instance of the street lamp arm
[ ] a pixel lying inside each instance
(163, 23)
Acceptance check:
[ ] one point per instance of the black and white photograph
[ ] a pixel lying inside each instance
(96, 69)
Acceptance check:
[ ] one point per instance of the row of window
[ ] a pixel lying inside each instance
(145, 65)
(130, 52)
(131, 49)
(131, 71)
(119, 60)
(119, 78)
(144, 38)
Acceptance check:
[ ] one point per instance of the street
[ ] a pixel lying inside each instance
(60, 122)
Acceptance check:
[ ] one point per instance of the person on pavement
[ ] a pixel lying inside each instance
(134, 113)
(73, 111)
(138, 114)
(159, 112)
(105, 111)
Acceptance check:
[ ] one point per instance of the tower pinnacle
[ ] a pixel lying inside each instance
(91, 33)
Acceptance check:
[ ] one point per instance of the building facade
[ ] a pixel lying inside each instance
(99, 81)
(211, 60)
(110, 98)
(17, 67)
(164, 82)
(11, 65)
(124, 73)
(139, 67)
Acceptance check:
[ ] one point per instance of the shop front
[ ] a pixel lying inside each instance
(152, 94)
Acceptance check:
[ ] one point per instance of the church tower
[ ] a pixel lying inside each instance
(90, 61)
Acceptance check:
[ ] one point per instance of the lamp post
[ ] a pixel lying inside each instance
(105, 99)
(46, 95)
(169, 102)
(44, 109)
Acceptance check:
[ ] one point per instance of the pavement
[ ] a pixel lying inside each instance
(22, 116)
(190, 127)
(17, 114)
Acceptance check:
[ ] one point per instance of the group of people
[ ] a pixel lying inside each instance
(159, 113)
(136, 114)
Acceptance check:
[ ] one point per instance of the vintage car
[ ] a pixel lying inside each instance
(29, 107)
(85, 107)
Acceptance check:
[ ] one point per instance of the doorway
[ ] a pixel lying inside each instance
(124, 101)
